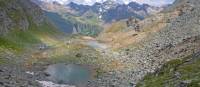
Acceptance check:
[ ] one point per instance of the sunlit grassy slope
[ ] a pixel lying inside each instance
(17, 39)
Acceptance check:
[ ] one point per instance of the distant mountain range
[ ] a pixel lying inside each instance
(107, 11)
(71, 17)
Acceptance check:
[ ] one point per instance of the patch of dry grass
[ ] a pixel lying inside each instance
(114, 37)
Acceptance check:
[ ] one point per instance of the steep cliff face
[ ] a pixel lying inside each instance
(86, 29)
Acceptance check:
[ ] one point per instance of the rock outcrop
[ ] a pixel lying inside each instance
(133, 23)
(19, 14)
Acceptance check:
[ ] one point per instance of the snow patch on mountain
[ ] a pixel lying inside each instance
(91, 2)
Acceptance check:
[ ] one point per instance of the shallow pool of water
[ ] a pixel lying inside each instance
(96, 45)
(68, 74)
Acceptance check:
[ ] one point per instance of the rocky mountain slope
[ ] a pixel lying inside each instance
(10, 15)
(175, 73)
(181, 72)
(171, 34)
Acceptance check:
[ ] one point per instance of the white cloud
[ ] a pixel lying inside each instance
(90, 2)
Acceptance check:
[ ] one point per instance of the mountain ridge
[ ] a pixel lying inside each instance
(104, 10)
(96, 15)
(92, 2)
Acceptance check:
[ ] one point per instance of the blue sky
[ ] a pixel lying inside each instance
(90, 2)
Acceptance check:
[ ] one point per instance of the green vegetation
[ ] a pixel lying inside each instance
(45, 29)
(92, 23)
(90, 32)
(7, 44)
(4, 2)
(18, 39)
(88, 25)
(89, 18)
(174, 73)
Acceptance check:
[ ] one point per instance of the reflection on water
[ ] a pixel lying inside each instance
(68, 74)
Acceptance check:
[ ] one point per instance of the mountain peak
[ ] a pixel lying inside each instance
(105, 11)
(92, 2)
